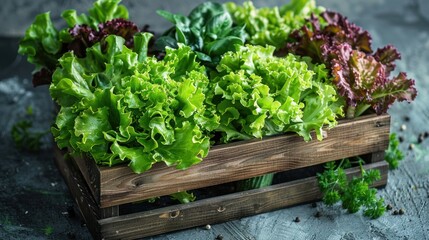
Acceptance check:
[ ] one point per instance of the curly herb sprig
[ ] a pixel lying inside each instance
(355, 193)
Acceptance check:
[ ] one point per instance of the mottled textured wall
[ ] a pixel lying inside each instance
(18, 14)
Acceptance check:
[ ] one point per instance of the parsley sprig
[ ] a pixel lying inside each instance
(355, 193)
(23, 134)
(393, 153)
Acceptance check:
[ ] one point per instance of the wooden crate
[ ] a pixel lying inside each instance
(102, 193)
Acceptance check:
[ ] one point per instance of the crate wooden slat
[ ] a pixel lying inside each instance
(220, 209)
(112, 186)
(198, 213)
(101, 192)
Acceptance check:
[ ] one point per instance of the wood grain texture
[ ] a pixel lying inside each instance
(241, 160)
(91, 174)
(221, 209)
(377, 157)
(79, 190)
(109, 212)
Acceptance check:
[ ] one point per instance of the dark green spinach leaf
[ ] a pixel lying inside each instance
(208, 30)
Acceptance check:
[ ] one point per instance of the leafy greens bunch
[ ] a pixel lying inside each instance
(208, 30)
(354, 193)
(43, 44)
(256, 94)
(362, 76)
(217, 79)
(272, 26)
(119, 106)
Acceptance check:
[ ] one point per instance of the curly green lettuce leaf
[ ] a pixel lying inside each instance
(257, 94)
(272, 26)
(43, 44)
(101, 12)
(63, 129)
(76, 79)
(42, 47)
(189, 148)
(183, 197)
(116, 109)
(322, 107)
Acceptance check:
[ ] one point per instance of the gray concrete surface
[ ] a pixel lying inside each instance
(35, 203)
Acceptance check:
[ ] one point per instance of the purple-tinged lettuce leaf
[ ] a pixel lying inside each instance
(343, 31)
(362, 81)
(387, 56)
(119, 27)
(361, 76)
(83, 37)
(398, 88)
(310, 43)
(42, 77)
(317, 40)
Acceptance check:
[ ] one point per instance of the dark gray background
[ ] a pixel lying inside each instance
(35, 200)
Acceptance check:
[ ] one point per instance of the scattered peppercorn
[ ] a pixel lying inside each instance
(318, 214)
(401, 211)
(71, 236)
(70, 212)
(219, 237)
(313, 205)
(395, 212)
(421, 138)
(406, 119)
(297, 219)
(401, 139)
(426, 134)
(389, 207)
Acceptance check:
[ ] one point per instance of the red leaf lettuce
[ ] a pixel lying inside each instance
(361, 76)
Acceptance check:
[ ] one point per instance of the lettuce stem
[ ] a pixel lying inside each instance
(360, 109)
(350, 114)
